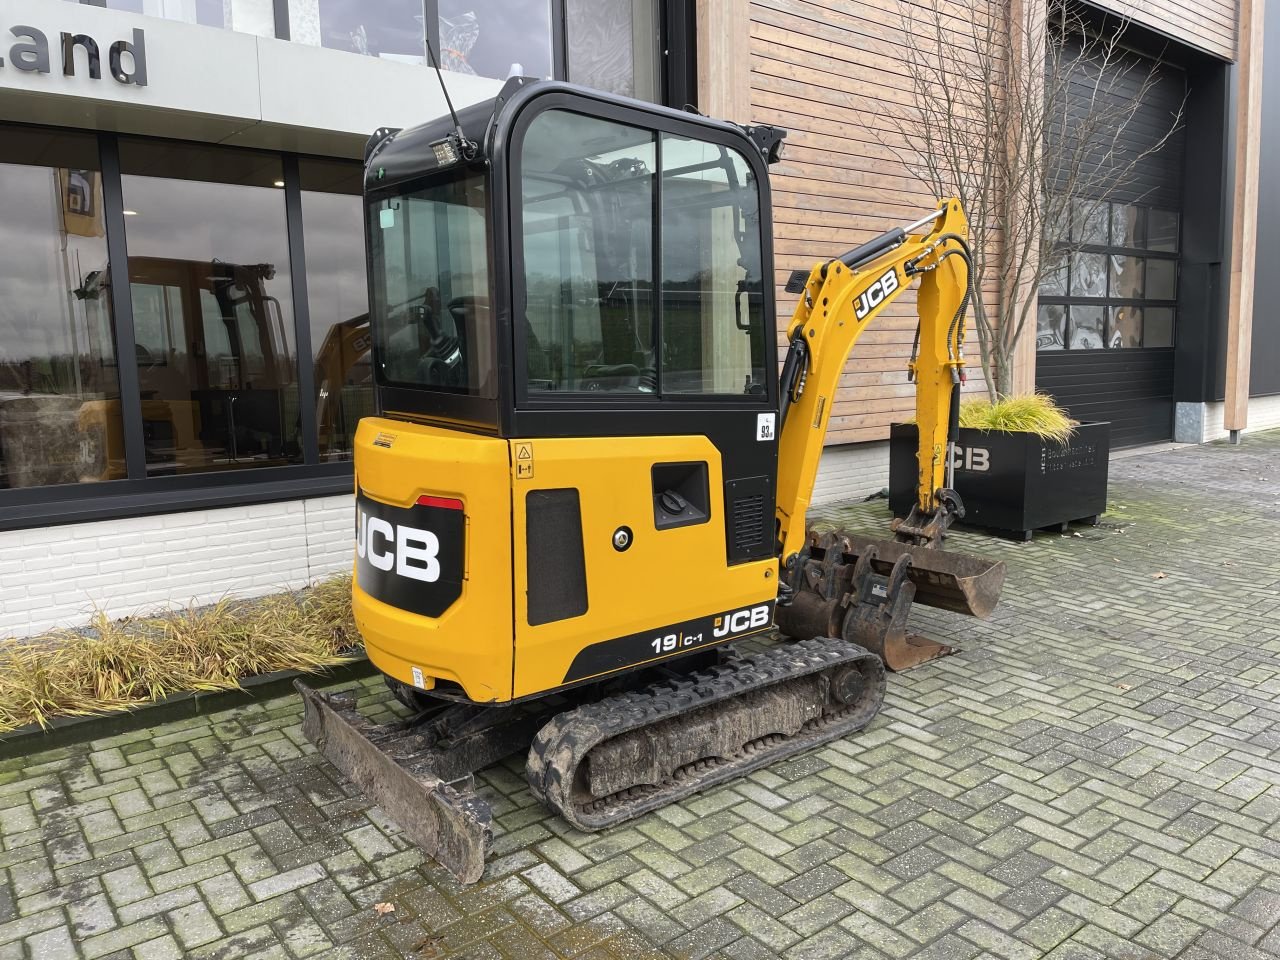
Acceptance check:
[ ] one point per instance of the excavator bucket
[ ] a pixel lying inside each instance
(959, 582)
(861, 589)
(451, 825)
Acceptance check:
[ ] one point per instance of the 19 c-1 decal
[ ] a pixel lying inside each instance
(610, 655)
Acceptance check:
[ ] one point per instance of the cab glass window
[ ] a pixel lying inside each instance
(587, 192)
(430, 285)
(712, 289)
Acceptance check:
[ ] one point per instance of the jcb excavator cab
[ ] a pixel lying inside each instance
(574, 349)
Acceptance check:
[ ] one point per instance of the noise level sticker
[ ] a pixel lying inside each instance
(524, 461)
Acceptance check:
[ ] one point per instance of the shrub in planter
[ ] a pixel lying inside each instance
(1020, 466)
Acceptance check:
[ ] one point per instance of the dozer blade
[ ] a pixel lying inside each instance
(451, 825)
(959, 582)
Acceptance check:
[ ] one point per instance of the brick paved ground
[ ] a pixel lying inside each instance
(1097, 775)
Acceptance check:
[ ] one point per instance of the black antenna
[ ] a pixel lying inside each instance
(467, 147)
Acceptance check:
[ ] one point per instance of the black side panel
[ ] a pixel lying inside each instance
(557, 570)
(1132, 389)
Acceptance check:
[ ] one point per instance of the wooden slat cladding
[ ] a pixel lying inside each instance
(824, 72)
(1208, 25)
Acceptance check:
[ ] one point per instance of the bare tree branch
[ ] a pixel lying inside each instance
(1029, 147)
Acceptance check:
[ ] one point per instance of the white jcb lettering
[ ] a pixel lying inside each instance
(360, 534)
(416, 552)
(977, 459)
(752, 618)
(378, 526)
(875, 294)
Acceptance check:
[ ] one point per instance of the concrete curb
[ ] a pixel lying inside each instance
(65, 731)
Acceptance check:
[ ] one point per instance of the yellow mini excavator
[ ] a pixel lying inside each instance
(587, 480)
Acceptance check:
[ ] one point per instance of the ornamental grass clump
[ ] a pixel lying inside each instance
(1034, 413)
(119, 664)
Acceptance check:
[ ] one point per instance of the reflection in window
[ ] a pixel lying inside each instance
(1087, 327)
(496, 40)
(1088, 275)
(337, 301)
(1126, 278)
(612, 45)
(430, 271)
(390, 29)
(1089, 222)
(587, 215)
(1051, 322)
(59, 393)
(1053, 283)
(1162, 231)
(210, 281)
(1162, 279)
(1128, 225)
(246, 16)
(1157, 328)
(1124, 327)
(712, 290)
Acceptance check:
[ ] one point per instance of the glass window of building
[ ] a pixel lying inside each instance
(612, 45)
(712, 289)
(59, 390)
(390, 29)
(1116, 286)
(337, 301)
(496, 39)
(246, 16)
(587, 189)
(209, 277)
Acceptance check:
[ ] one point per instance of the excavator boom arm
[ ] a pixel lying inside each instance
(840, 299)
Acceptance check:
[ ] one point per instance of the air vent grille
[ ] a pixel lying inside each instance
(748, 522)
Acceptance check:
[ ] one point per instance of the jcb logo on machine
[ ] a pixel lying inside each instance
(977, 459)
(874, 295)
(740, 621)
(412, 558)
(412, 552)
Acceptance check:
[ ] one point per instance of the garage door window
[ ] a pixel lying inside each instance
(1115, 283)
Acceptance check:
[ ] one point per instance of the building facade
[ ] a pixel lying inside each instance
(182, 285)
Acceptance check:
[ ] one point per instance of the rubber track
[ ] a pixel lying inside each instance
(565, 741)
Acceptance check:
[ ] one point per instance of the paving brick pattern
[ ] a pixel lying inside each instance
(1097, 775)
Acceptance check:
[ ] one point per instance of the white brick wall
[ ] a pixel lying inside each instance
(851, 471)
(1264, 413)
(57, 576)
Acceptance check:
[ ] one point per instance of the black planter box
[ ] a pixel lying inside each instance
(1014, 482)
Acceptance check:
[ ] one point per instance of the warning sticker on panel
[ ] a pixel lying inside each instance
(524, 461)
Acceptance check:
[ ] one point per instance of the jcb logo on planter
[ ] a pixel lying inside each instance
(976, 459)
(749, 619)
(874, 295)
(412, 552)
